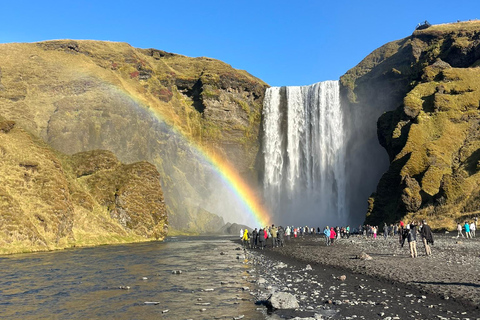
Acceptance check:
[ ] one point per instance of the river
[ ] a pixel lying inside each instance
(132, 281)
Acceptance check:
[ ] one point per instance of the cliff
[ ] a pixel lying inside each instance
(141, 104)
(428, 86)
(49, 200)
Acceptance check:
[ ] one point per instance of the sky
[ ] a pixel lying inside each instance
(281, 42)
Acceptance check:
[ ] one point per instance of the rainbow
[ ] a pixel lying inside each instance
(247, 196)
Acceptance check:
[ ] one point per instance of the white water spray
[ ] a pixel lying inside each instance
(304, 154)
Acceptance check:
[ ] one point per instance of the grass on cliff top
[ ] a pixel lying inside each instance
(463, 26)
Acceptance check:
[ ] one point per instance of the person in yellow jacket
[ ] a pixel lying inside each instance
(245, 239)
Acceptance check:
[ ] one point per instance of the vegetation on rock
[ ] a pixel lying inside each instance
(49, 200)
(431, 84)
(86, 95)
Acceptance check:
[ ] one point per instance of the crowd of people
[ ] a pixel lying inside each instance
(273, 236)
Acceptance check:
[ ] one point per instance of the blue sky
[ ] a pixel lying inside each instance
(281, 42)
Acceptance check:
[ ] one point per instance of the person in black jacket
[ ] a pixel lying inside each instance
(412, 240)
(254, 238)
(427, 237)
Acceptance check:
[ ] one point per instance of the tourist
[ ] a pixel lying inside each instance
(241, 233)
(459, 231)
(326, 232)
(412, 239)
(374, 230)
(245, 239)
(333, 234)
(273, 232)
(295, 232)
(261, 239)
(288, 231)
(280, 235)
(467, 230)
(254, 238)
(427, 237)
(385, 231)
(473, 227)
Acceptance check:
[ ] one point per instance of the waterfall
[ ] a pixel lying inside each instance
(304, 154)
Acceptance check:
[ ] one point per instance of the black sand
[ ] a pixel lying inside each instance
(392, 285)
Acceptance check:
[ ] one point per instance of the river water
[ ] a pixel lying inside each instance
(90, 283)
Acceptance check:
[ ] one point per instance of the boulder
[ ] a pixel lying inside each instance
(364, 256)
(282, 300)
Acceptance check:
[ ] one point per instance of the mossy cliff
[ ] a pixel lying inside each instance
(49, 200)
(430, 85)
(86, 95)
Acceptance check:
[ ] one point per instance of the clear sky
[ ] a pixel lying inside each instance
(281, 42)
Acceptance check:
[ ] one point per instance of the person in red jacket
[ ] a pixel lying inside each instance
(333, 235)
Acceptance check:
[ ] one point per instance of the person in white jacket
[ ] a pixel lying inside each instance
(472, 229)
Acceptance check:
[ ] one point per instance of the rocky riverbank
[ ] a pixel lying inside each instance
(331, 282)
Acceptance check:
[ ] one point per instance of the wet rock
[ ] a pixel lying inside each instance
(124, 287)
(165, 311)
(239, 317)
(176, 271)
(208, 289)
(282, 300)
(152, 302)
(144, 278)
(308, 267)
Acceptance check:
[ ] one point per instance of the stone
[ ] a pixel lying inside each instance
(364, 256)
(282, 300)
(342, 277)
(308, 267)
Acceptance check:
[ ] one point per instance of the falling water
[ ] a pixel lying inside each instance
(304, 154)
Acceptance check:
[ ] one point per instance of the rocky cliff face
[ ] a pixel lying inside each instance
(49, 200)
(429, 87)
(86, 95)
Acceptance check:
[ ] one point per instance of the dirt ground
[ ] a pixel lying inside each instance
(451, 272)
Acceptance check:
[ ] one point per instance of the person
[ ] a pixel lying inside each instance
(254, 239)
(412, 240)
(348, 232)
(288, 231)
(374, 230)
(459, 231)
(326, 232)
(241, 233)
(273, 232)
(427, 237)
(245, 239)
(333, 234)
(473, 227)
(261, 238)
(385, 231)
(467, 230)
(280, 235)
